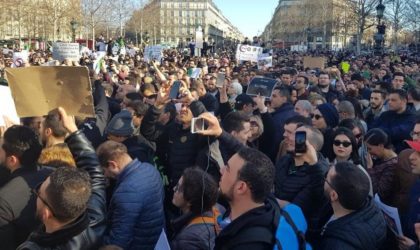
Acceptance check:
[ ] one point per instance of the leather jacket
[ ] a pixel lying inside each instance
(86, 231)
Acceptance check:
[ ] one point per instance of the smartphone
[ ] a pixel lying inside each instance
(300, 142)
(220, 81)
(197, 125)
(174, 92)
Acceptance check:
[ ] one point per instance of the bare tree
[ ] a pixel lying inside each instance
(362, 10)
(396, 12)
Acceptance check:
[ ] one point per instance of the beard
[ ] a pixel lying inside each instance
(227, 196)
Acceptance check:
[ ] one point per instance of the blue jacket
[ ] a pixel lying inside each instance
(136, 216)
(397, 126)
(280, 115)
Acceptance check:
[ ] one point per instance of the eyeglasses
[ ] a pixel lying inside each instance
(317, 117)
(35, 191)
(345, 144)
(413, 133)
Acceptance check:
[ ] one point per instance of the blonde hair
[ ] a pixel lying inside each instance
(57, 156)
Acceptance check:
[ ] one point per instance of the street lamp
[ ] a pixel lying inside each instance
(73, 25)
(379, 37)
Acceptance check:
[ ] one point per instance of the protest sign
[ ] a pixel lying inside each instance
(265, 61)
(38, 90)
(63, 51)
(153, 53)
(195, 73)
(313, 62)
(52, 63)
(248, 53)
(99, 61)
(391, 216)
(7, 107)
(261, 86)
(19, 58)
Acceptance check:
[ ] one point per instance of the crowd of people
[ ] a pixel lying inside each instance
(138, 172)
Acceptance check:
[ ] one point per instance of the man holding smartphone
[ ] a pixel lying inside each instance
(299, 174)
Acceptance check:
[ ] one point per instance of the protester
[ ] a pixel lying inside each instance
(135, 216)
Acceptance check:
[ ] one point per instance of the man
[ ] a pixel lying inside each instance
(346, 110)
(120, 129)
(299, 176)
(414, 99)
(35, 123)
(377, 107)
(209, 100)
(283, 110)
(286, 78)
(19, 152)
(356, 223)
(53, 132)
(135, 216)
(398, 121)
(301, 86)
(358, 80)
(71, 201)
(324, 83)
(290, 126)
(304, 108)
(398, 80)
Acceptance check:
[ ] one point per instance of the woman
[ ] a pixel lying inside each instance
(382, 170)
(345, 146)
(358, 131)
(195, 195)
(325, 118)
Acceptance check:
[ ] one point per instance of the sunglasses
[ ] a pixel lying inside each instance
(317, 117)
(345, 144)
(151, 96)
(35, 191)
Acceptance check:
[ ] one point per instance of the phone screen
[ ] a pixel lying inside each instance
(300, 142)
(173, 94)
(197, 125)
(220, 80)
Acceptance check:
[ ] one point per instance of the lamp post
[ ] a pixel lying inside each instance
(379, 37)
(73, 25)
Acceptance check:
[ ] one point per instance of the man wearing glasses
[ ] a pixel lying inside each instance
(356, 222)
(71, 202)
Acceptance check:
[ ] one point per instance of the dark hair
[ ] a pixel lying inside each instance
(398, 74)
(414, 93)
(199, 189)
(378, 137)
(298, 119)
(285, 92)
(52, 121)
(140, 108)
(400, 92)
(23, 143)
(352, 124)
(384, 86)
(171, 109)
(354, 156)
(351, 184)
(257, 172)
(26, 121)
(305, 79)
(68, 193)
(133, 96)
(234, 121)
(381, 92)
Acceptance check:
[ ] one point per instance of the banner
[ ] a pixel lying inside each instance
(99, 61)
(19, 58)
(313, 62)
(38, 90)
(261, 86)
(63, 51)
(265, 61)
(248, 53)
(153, 53)
(7, 107)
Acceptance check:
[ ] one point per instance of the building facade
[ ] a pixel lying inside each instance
(175, 22)
(312, 24)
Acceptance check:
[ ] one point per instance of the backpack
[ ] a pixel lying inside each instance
(290, 227)
(208, 220)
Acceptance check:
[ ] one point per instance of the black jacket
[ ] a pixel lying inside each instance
(244, 231)
(364, 229)
(86, 231)
(182, 146)
(303, 185)
(18, 205)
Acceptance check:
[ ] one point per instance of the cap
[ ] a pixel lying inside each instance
(414, 145)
